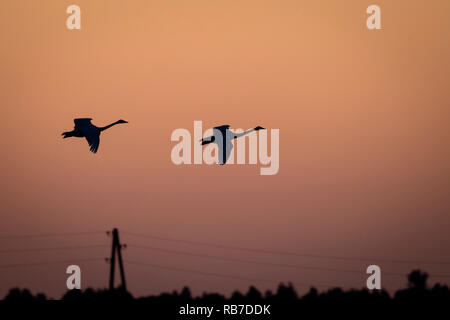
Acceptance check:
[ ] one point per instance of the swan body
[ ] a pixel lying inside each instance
(223, 137)
(85, 129)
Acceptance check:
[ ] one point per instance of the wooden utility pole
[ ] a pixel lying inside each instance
(116, 246)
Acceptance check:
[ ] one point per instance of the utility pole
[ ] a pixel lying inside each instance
(116, 246)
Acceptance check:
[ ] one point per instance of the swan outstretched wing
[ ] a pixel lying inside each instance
(225, 151)
(222, 128)
(90, 132)
(82, 122)
(225, 147)
(92, 135)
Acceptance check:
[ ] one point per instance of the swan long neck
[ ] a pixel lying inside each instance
(237, 135)
(108, 126)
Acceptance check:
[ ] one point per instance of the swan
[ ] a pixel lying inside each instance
(222, 136)
(85, 129)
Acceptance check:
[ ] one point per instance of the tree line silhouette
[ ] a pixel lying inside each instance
(285, 301)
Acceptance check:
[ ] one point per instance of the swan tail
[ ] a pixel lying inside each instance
(67, 134)
(207, 140)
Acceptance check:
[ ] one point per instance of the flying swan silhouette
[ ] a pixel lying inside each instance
(85, 129)
(222, 136)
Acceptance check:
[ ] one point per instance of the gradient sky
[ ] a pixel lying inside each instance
(364, 135)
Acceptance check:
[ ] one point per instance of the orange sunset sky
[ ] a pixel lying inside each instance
(364, 140)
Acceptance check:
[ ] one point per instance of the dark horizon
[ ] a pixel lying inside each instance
(417, 283)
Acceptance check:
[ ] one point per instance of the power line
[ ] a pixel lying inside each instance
(241, 260)
(220, 275)
(49, 235)
(285, 253)
(51, 249)
(292, 266)
(49, 262)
